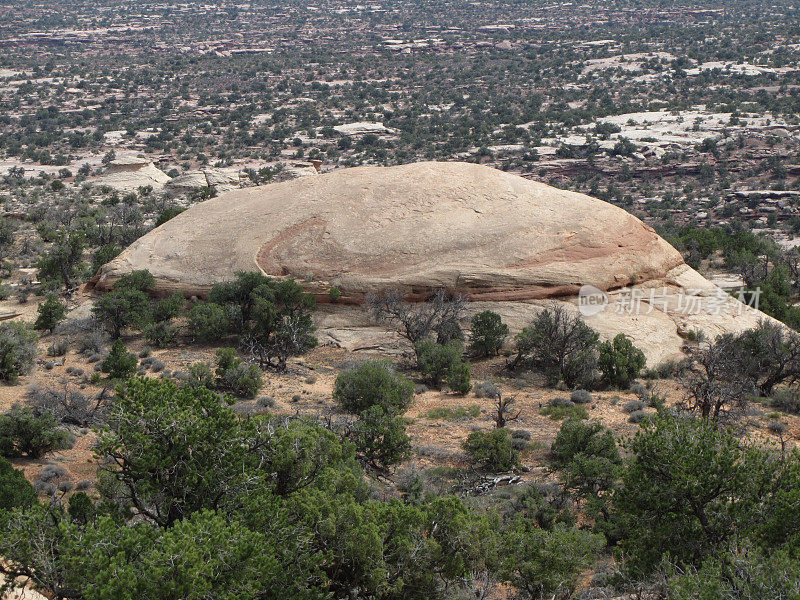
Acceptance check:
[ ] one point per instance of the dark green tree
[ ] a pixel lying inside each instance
(51, 313)
(155, 426)
(380, 439)
(439, 362)
(105, 253)
(689, 489)
(26, 432)
(127, 304)
(492, 450)
(561, 345)
(119, 364)
(620, 361)
(373, 383)
(546, 564)
(488, 333)
(18, 346)
(15, 491)
(209, 321)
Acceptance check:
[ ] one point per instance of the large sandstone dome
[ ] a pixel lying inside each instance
(507, 242)
(420, 226)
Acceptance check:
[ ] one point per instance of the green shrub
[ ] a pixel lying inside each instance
(227, 358)
(633, 406)
(665, 369)
(372, 383)
(242, 380)
(546, 564)
(25, 432)
(577, 437)
(61, 264)
(439, 362)
(119, 364)
(561, 346)
(334, 294)
(168, 308)
(581, 397)
(51, 313)
(161, 334)
(486, 389)
(235, 376)
(776, 427)
(141, 280)
(488, 333)
(692, 490)
(17, 350)
(492, 450)
(434, 360)
(743, 571)
(380, 438)
(638, 416)
(458, 378)
(272, 316)
(168, 213)
(124, 306)
(15, 491)
(209, 322)
(104, 254)
(199, 375)
(620, 361)
(81, 509)
(787, 400)
(454, 414)
(557, 412)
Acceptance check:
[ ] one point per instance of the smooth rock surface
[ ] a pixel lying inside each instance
(129, 174)
(508, 243)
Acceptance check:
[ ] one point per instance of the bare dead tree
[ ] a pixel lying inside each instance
(272, 348)
(417, 321)
(502, 411)
(560, 344)
(69, 406)
(791, 260)
(770, 355)
(717, 384)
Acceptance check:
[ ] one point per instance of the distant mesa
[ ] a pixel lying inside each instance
(508, 243)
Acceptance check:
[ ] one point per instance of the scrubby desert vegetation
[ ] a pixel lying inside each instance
(244, 466)
(216, 446)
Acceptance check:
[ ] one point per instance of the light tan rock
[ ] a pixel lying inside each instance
(419, 226)
(508, 243)
(295, 170)
(362, 128)
(220, 180)
(129, 174)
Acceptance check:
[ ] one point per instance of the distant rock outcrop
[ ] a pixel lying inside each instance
(363, 128)
(129, 174)
(510, 244)
(220, 180)
(297, 169)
